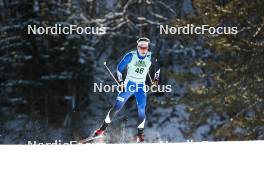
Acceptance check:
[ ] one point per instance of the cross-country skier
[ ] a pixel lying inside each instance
(137, 63)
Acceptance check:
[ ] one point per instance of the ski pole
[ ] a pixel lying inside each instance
(150, 78)
(111, 73)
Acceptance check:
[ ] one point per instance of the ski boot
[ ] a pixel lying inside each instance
(140, 136)
(97, 134)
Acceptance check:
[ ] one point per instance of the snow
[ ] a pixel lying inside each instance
(201, 133)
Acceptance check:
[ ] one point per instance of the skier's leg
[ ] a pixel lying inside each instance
(141, 98)
(119, 103)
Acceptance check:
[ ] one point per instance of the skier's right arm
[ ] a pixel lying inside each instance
(123, 65)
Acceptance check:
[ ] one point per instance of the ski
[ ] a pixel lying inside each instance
(92, 139)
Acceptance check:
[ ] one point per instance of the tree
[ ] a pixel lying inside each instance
(236, 72)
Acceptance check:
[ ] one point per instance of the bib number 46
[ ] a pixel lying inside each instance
(140, 71)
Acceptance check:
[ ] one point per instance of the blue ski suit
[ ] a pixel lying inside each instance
(137, 68)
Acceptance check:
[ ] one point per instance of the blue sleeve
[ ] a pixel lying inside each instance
(123, 65)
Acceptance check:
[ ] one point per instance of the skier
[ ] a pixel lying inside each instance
(137, 63)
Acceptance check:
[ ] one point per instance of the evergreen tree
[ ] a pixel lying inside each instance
(236, 72)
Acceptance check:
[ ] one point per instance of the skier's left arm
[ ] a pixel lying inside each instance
(156, 69)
